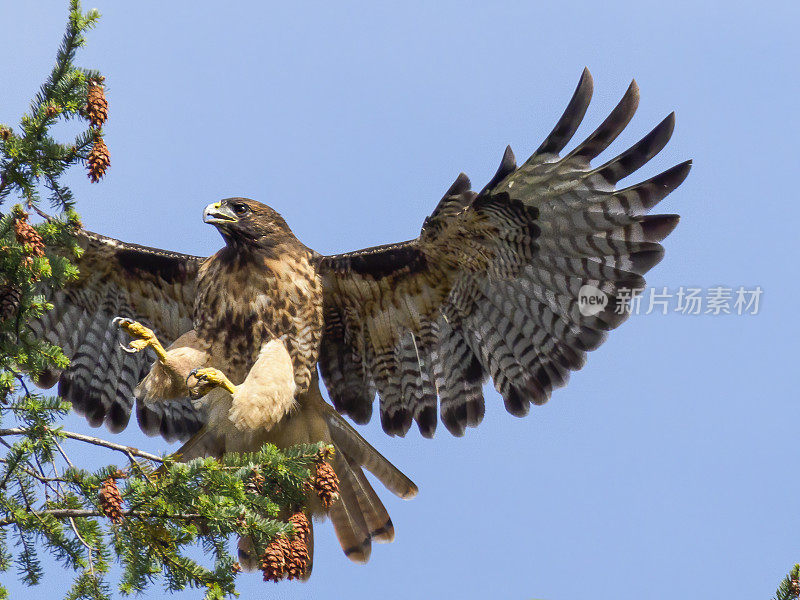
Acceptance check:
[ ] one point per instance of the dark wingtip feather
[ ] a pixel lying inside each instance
(588, 339)
(517, 402)
(47, 378)
(508, 165)
(508, 162)
(670, 179)
(568, 124)
(640, 153)
(602, 137)
(455, 419)
(361, 413)
(460, 185)
(148, 421)
(426, 421)
(475, 412)
(642, 197)
(117, 418)
(93, 409)
(658, 227)
(646, 260)
(398, 422)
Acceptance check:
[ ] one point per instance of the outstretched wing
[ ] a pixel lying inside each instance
(153, 286)
(492, 286)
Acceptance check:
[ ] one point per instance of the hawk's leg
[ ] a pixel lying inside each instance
(143, 337)
(207, 379)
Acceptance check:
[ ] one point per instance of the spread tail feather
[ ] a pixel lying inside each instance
(362, 454)
(348, 520)
(358, 515)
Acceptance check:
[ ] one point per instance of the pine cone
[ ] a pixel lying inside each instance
(236, 568)
(5, 133)
(302, 527)
(255, 483)
(111, 500)
(9, 301)
(96, 104)
(52, 110)
(297, 559)
(273, 561)
(794, 588)
(326, 483)
(28, 236)
(99, 160)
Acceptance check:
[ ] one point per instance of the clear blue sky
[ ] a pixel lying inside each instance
(667, 467)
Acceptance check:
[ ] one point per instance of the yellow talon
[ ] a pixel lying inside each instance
(207, 379)
(144, 337)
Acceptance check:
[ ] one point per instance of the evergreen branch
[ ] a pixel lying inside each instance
(127, 450)
(80, 537)
(76, 513)
(789, 589)
(63, 454)
(32, 156)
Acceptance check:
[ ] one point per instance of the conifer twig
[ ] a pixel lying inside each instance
(789, 588)
(79, 513)
(127, 450)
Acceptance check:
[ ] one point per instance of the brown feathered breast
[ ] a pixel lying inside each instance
(248, 295)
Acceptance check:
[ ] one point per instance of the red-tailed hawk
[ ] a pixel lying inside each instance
(489, 290)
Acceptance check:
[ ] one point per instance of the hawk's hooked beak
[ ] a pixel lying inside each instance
(216, 214)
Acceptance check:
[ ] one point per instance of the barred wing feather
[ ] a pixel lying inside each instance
(490, 288)
(155, 287)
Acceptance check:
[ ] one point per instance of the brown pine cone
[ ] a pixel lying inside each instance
(297, 559)
(96, 104)
(52, 110)
(9, 301)
(111, 500)
(99, 160)
(794, 588)
(302, 527)
(255, 483)
(5, 133)
(28, 236)
(326, 483)
(273, 561)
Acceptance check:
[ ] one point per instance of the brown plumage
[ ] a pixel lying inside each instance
(489, 289)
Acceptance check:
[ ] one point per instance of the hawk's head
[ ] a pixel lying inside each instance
(245, 221)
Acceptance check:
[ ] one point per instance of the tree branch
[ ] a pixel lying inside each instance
(71, 513)
(127, 450)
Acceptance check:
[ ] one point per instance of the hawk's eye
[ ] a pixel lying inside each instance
(240, 209)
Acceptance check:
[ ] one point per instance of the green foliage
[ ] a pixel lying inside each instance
(165, 509)
(790, 586)
(29, 155)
